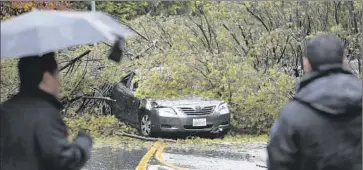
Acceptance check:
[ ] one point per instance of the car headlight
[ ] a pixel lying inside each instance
(166, 111)
(223, 109)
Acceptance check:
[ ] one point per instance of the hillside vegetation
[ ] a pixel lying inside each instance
(247, 53)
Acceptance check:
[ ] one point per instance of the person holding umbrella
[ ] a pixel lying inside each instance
(321, 127)
(33, 134)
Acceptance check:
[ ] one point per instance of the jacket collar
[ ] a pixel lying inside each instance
(322, 71)
(38, 93)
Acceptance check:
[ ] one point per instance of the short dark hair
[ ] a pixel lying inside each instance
(324, 49)
(32, 68)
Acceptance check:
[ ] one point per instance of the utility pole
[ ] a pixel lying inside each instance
(93, 5)
(361, 51)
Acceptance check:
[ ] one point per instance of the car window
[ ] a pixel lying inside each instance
(125, 79)
(134, 86)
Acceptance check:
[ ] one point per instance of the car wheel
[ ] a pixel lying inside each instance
(145, 125)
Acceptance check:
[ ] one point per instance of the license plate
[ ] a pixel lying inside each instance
(200, 122)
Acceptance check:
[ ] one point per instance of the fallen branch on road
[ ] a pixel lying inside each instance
(261, 166)
(145, 138)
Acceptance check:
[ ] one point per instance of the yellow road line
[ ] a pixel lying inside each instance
(145, 159)
(159, 157)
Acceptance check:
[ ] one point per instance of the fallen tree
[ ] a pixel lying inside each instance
(144, 138)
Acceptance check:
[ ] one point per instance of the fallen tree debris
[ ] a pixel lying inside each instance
(145, 138)
(261, 166)
(99, 98)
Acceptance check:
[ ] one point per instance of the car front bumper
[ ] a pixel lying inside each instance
(215, 123)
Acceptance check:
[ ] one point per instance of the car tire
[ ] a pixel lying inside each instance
(145, 125)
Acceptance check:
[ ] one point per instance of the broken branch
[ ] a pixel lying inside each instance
(108, 44)
(144, 138)
(99, 98)
(75, 60)
(261, 166)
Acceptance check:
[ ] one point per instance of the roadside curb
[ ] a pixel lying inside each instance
(159, 157)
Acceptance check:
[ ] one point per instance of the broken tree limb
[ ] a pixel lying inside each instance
(106, 43)
(261, 166)
(68, 101)
(75, 60)
(144, 138)
(99, 98)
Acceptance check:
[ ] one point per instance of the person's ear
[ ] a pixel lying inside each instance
(47, 77)
(50, 84)
(307, 65)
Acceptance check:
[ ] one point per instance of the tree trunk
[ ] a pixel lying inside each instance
(337, 9)
(326, 23)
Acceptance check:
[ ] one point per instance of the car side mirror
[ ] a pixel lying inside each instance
(117, 50)
(154, 105)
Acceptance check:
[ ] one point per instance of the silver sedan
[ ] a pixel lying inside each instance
(174, 116)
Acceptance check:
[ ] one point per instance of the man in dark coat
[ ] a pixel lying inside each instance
(321, 127)
(33, 134)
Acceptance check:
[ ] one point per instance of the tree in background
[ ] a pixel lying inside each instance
(13, 8)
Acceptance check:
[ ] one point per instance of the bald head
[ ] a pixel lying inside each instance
(324, 50)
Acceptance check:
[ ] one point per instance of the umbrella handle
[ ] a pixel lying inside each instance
(117, 50)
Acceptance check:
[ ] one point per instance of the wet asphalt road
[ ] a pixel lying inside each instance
(220, 157)
(115, 159)
(229, 156)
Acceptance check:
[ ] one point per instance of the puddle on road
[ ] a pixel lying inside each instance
(250, 153)
(220, 157)
(199, 162)
(115, 159)
(230, 154)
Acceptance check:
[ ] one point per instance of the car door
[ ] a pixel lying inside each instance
(126, 105)
(133, 102)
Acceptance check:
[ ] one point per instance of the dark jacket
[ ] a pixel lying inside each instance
(34, 136)
(321, 128)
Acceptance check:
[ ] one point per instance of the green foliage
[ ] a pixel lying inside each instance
(228, 138)
(130, 10)
(242, 53)
(9, 78)
(190, 68)
(97, 126)
(123, 10)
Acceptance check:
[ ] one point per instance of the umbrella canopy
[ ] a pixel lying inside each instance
(42, 31)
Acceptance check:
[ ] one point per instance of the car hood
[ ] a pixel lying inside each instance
(186, 101)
